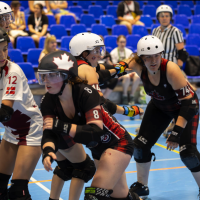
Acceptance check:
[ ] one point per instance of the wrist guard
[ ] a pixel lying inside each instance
(175, 134)
(131, 111)
(60, 126)
(46, 152)
(5, 113)
(120, 67)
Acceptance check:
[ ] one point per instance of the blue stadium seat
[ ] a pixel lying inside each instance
(58, 30)
(65, 40)
(15, 55)
(29, 72)
(189, 3)
(197, 10)
(195, 19)
(154, 26)
(67, 21)
(77, 28)
(10, 45)
(26, 21)
(155, 3)
(182, 29)
(88, 20)
(197, 2)
(97, 11)
(131, 48)
(84, 4)
(33, 56)
(24, 43)
(112, 10)
(140, 30)
(99, 29)
(110, 41)
(173, 3)
(64, 49)
(194, 28)
(150, 10)
(193, 39)
(69, 3)
(77, 10)
(181, 19)
(107, 20)
(116, 2)
(141, 3)
(192, 50)
(24, 4)
(132, 40)
(41, 42)
(185, 9)
(119, 30)
(103, 4)
(109, 49)
(146, 19)
(51, 20)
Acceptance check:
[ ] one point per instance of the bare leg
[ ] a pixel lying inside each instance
(196, 176)
(135, 84)
(107, 92)
(125, 84)
(143, 172)
(128, 25)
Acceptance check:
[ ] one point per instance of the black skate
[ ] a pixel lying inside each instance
(140, 189)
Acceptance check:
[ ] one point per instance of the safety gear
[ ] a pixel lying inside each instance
(131, 111)
(139, 188)
(4, 178)
(58, 61)
(46, 152)
(3, 35)
(176, 134)
(19, 190)
(130, 196)
(6, 13)
(5, 113)
(183, 55)
(149, 45)
(60, 126)
(120, 67)
(164, 8)
(85, 42)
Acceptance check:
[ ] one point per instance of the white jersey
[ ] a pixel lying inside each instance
(25, 125)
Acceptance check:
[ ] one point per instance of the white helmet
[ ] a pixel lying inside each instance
(149, 45)
(4, 9)
(84, 41)
(164, 8)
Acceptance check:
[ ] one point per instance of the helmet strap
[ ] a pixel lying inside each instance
(86, 60)
(62, 88)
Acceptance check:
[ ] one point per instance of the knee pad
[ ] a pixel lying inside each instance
(92, 193)
(129, 197)
(84, 170)
(190, 157)
(64, 170)
(4, 178)
(142, 153)
(19, 190)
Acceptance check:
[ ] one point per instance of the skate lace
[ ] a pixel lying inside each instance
(136, 184)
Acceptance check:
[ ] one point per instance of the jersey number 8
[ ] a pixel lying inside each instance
(96, 114)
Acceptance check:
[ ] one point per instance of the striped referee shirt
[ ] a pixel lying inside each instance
(169, 37)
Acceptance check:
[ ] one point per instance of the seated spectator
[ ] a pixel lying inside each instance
(37, 23)
(50, 46)
(17, 28)
(121, 53)
(59, 8)
(128, 12)
(45, 5)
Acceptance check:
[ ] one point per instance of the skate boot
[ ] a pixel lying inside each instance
(140, 189)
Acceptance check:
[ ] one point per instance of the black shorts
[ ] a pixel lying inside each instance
(124, 145)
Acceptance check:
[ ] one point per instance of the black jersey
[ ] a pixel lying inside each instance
(162, 95)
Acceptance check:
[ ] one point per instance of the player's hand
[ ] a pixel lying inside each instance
(48, 123)
(141, 111)
(171, 145)
(47, 161)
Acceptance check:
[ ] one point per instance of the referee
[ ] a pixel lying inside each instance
(171, 37)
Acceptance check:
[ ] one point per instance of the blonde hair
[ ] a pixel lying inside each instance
(48, 39)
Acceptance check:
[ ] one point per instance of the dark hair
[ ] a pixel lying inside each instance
(76, 80)
(14, 4)
(138, 60)
(120, 36)
(40, 5)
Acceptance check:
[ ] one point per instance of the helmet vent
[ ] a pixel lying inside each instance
(5, 8)
(145, 38)
(148, 48)
(82, 33)
(156, 47)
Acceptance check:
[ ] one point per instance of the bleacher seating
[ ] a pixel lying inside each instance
(51, 21)
(65, 40)
(67, 21)
(192, 50)
(197, 10)
(107, 20)
(174, 4)
(77, 28)
(15, 55)
(96, 10)
(196, 19)
(146, 19)
(99, 29)
(41, 42)
(25, 43)
(150, 10)
(181, 19)
(185, 9)
(109, 49)
(112, 10)
(189, 3)
(140, 30)
(33, 56)
(193, 39)
(154, 3)
(58, 30)
(88, 20)
(77, 10)
(110, 41)
(103, 4)
(119, 30)
(194, 28)
(84, 4)
(132, 40)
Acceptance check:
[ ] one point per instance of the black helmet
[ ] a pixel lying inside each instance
(59, 61)
(3, 35)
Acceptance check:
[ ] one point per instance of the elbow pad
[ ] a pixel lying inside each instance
(50, 136)
(104, 75)
(112, 107)
(189, 108)
(183, 55)
(5, 113)
(89, 134)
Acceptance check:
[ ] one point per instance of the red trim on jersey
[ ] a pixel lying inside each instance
(111, 125)
(93, 114)
(163, 64)
(96, 87)
(81, 62)
(6, 68)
